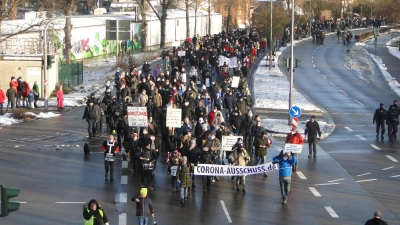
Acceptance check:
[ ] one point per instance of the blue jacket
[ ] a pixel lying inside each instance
(285, 166)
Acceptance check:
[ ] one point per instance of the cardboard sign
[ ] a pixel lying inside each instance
(137, 116)
(181, 53)
(228, 141)
(176, 44)
(174, 117)
(295, 148)
(173, 170)
(235, 81)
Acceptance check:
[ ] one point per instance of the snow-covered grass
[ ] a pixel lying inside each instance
(8, 119)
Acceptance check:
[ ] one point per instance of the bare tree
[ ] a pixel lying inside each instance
(195, 5)
(143, 8)
(8, 10)
(67, 7)
(165, 5)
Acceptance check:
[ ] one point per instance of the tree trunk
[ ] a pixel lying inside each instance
(67, 40)
(144, 27)
(228, 20)
(209, 19)
(187, 19)
(163, 22)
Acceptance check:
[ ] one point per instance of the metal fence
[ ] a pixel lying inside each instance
(70, 74)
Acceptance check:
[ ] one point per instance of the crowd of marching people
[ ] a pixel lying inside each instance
(211, 105)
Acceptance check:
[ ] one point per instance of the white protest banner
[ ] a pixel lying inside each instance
(137, 116)
(233, 62)
(176, 44)
(181, 53)
(223, 59)
(173, 170)
(228, 141)
(295, 148)
(174, 117)
(227, 170)
(235, 81)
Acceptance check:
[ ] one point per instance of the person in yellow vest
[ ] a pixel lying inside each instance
(93, 214)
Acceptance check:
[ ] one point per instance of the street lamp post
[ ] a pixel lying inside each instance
(46, 101)
(270, 42)
(291, 63)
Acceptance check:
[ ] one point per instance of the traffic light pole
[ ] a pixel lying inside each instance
(291, 69)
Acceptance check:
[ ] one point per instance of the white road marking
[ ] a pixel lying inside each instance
(313, 65)
(361, 137)
(343, 92)
(334, 113)
(314, 191)
(359, 181)
(335, 180)
(123, 197)
(71, 202)
(348, 128)
(325, 184)
(124, 164)
(375, 147)
(363, 174)
(358, 102)
(22, 202)
(124, 179)
(226, 212)
(332, 84)
(391, 158)
(324, 77)
(331, 212)
(396, 176)
(122, 219)
(390, 167)
(346, 113)
(301, 175)
(318, 71)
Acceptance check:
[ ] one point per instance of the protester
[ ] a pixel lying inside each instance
(285, 162)
(93, 214)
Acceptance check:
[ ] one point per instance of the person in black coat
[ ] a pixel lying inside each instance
(376, 220)
(93, 212)
(236, 121)
(90, 116)
(193, 154)
(379, 119)
(146, 69)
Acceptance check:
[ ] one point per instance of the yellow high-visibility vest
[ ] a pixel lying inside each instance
(91, 220)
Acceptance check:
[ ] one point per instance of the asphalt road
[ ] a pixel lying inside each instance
(337, 188)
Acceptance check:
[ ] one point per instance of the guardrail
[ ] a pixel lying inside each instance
(361, 37)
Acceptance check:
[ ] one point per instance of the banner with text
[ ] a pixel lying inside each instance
(228, 141)
(295, 148)
(231, 62)
(226, 170)
(137, 116)
(174, 117)
(181, 53)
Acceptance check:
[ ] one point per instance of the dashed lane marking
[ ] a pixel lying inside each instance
(314, 191)
(346, 113)
(331, 212)
(313, 65)
(343, 92)
(387, 168)
(123, 197)
(358, 102)
(318, 71)
(391, 158)
(396, 176)
(360, 175)
(124, 164)
(301, 175)
(332, 84)
(326, 184)
(124, 179)
(335, 180)
(122, 219)
(360, 181)
(348, 128)
(361, 137)
(324, 77)
(375, 147)
(71, 202)
(226, 212)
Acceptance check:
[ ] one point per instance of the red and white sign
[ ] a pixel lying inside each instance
(294, 122)
(46, 82)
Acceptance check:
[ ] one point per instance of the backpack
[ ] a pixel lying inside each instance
(23, 87)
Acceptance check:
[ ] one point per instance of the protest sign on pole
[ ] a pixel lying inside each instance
(228, 170)
(235, 81)
(137, 116)
(181, 53)
(228, 141)
(174, 117)
(295, 148)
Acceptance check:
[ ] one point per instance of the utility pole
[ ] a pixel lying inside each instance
(270, 42)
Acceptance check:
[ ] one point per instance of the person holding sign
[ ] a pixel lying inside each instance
(294, 138)
(285, 172)
(173, 160)
(239, 157)
(261, 144)
(148, 158)
(110, 148)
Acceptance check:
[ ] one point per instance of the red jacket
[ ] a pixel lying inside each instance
(211, 116)
(2, 96)
(27, 89)
(14, 84)
(294, 138)
(263, 44)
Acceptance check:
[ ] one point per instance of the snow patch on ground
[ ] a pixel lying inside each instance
(7, 119)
